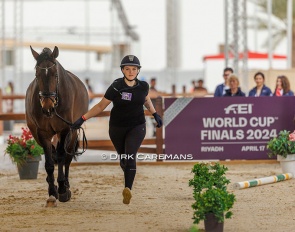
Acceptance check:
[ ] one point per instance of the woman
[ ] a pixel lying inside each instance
(234, 89)
(127, 126)
(261, 89)
(283, 87)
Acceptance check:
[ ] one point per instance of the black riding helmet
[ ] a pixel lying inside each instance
(130, 60)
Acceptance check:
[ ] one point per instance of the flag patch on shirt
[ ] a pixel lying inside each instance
(126, 96)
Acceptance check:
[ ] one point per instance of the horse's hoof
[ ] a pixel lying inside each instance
(51, 202)
(64, 197)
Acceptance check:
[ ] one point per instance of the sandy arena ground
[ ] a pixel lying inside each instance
(161, 201)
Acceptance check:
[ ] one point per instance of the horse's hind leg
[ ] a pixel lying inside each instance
(69, 159)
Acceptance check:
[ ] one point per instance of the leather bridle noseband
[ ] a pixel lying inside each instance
(53, 96)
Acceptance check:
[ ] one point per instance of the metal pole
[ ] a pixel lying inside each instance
(269, 13)
(255, 27)
(3, 54)
(289, 32)
(236, 35)
(226, 32)
(245, 47)
(87, 37)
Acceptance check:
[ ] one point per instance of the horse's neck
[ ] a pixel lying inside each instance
(62, 73)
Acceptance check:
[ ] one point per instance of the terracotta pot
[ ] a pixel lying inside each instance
(212, 224)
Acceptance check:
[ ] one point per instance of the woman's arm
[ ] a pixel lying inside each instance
(97, 109)
(149, 105)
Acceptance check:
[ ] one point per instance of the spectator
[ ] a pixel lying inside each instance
(10, 91)
(220, 89)
(260, 89)
(283, 87)
(153, 93)
(199, 89)
(234, 89)
(89, 89)
(192, 90)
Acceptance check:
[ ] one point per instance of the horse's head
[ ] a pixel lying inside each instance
(47, 79)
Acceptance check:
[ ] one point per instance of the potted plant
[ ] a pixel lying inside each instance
(283, 147)
(212, 199)
(25, 153)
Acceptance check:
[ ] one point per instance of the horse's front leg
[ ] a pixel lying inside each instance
(49, 167)
(64, 193)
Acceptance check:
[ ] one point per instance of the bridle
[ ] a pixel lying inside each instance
(53, 96)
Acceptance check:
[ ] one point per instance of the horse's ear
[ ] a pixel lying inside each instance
(35, 54)
(55, 52)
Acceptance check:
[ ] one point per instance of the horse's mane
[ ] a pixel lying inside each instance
(45, 55)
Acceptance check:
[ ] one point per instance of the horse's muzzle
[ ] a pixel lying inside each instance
(48, 101)
(48, 112)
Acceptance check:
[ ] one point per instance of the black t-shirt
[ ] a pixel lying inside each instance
(127, 103)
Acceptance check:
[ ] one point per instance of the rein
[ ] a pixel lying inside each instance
(69, 136)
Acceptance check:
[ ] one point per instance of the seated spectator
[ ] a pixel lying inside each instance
(283, 87)
(234, 89)
(260, 89)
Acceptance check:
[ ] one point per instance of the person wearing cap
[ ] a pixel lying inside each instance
(127, 127)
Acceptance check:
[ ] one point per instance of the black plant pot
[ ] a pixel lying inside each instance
(212, 224)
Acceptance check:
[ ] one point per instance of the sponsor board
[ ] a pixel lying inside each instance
(227, 128)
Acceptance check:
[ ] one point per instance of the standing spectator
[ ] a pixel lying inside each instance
(153, 93)
(10, 91)
(234, 89)
(283, 87)
(220, 89)
(260, 89)
(89, 89)
(192, 90)
(199, 89)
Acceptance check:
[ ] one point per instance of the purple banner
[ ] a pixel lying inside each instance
(225, 128)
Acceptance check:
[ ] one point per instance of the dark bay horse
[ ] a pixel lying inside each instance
(55, 93)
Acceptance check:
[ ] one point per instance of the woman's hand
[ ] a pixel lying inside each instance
(158, 119)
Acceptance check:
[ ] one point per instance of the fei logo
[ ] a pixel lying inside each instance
(239, 109)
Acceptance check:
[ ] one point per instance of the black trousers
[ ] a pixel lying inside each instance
(127, 141)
